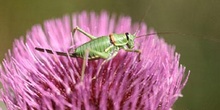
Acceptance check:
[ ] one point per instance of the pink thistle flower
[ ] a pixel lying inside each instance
(42, 81)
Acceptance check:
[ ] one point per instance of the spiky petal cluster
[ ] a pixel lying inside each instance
(41, 81)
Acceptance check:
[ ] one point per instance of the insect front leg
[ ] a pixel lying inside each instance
(83, 32)
(136, 51)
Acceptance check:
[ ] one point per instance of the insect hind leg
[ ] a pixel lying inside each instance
(106, 58)
(100, 54)
(85, 59)
(83, 32)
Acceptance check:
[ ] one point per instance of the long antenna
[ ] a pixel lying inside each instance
(146, 12)
(179, 33)
(156, 33)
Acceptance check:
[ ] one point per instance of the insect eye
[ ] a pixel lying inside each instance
(127, 35)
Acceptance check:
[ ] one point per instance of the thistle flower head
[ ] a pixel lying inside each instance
(41, 81)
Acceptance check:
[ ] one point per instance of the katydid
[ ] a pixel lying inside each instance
(104, 47)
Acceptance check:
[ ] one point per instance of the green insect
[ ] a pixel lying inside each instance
(104, 47)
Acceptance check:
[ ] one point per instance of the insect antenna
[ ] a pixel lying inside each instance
(51, 52)
(156, 33)
(179, 33)
(139, 26)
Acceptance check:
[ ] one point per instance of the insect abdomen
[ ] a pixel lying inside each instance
(100, 44)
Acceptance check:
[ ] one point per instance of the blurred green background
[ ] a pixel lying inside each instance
(197, 20)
